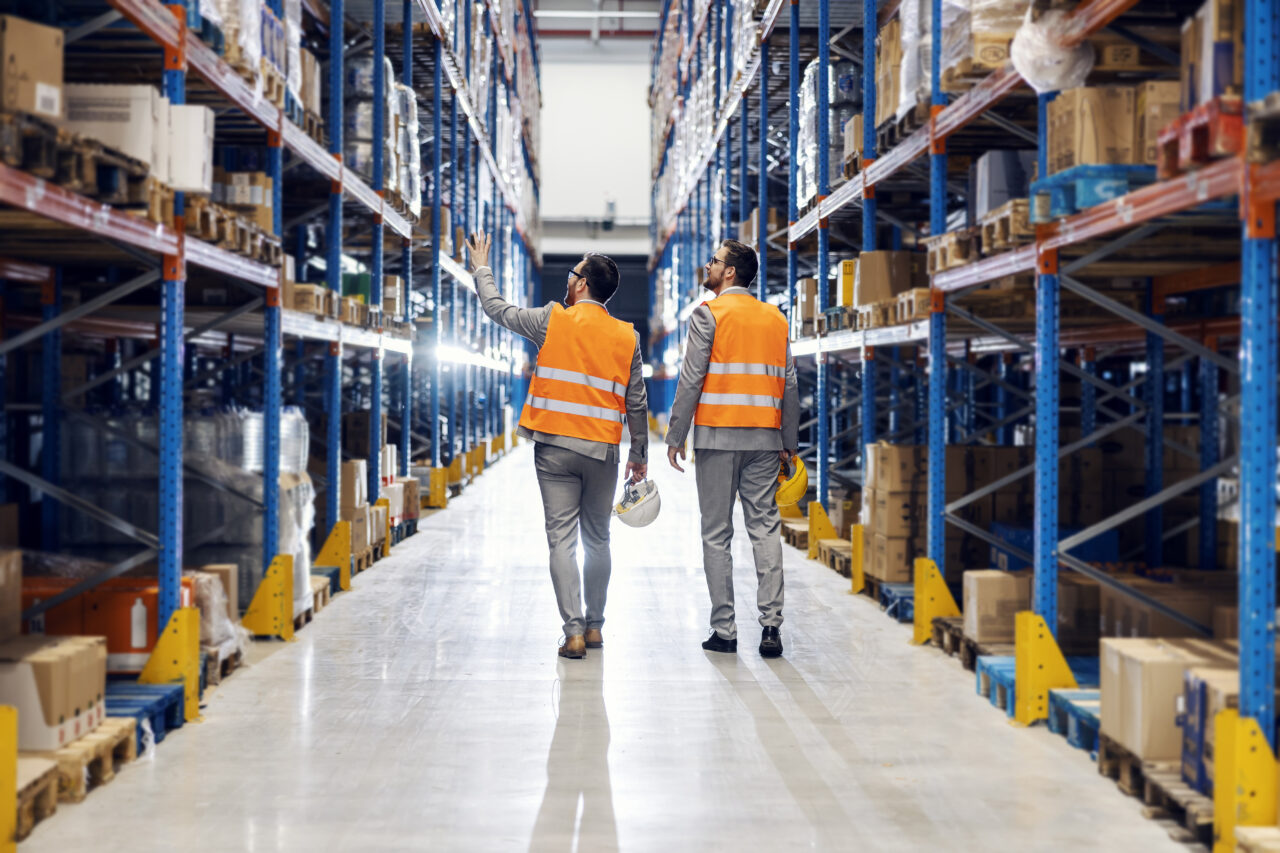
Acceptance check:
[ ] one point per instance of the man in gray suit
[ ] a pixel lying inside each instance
(738, 385)
(587, 383)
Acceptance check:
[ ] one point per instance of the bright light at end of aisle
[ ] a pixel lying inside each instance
(458, 355)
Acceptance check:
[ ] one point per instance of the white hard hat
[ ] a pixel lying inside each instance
(640, 503)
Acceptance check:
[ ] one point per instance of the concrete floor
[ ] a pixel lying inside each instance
(427, 709)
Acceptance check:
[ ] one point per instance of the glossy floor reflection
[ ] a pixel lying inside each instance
(427, 709)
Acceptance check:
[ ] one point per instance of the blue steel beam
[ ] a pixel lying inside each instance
(437, 169)
(380, 88)
(762, 176)
(793, 135)
(406, 255)
(1045, 537)
(868, 124)
(937, 530)
(333, 272)
(824, 237)
(455, 207)
(868, 414)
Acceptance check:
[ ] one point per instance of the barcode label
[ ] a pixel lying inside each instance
(48, 99)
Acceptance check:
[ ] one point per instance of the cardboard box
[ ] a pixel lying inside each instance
(134, 120)
(310, 299)
(882, 275)
(852, 135)
(359, 521)
(807, 299)
(1141, 682)
(31, 73)
(355, 484)
(377, 525)
(312, 90)
(10, 594)
(393, 297)
(57, 684)
(356, 428)
(900, 514)
(229, 574)
(412, 496)
(845, 280)
(1157, 106)
(390, 466)
(1092, 126)
(991, 598)
(892, 559)
(1079, 613)
(900, 467)
(190, 148)
(1126, 616)
(394, 493)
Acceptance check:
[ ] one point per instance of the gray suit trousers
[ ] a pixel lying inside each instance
(577, 496)
(752, 476)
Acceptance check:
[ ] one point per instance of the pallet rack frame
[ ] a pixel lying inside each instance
(1258, 187)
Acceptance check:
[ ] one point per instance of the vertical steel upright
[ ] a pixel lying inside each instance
(51, 408)
(868, 403)
(272, 346)
(1154, 385)
(406, 251)
(793, 135)
(824, 187)
(762, 177)
(868, 120)
(455, 208)
(1258, 403)
(744, 172)
(937, 529)
(172, 310)
(437, 56)
(1208, 458)
(380, 87)
(1045, 537)
(333, 271)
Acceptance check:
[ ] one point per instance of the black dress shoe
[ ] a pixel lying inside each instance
(770, 643)
(716, 643)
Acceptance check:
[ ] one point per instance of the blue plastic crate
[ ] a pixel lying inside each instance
(1082, 187)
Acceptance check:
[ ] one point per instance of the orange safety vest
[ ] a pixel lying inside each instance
(579, 386)
(747, 373)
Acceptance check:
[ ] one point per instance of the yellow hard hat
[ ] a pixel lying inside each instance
(793, 482)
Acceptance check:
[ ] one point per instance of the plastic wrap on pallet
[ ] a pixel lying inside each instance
(50, 565)
(293, 47)
(357, 121)
(216, 627)
(248, 15)
(974, 18)
(211, 11)
(1038, 56)
(359, 78)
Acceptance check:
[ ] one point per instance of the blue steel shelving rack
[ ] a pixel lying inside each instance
(184, 53)
(683, 231)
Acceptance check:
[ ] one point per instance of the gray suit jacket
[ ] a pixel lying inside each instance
(697, 355)
(532, 323)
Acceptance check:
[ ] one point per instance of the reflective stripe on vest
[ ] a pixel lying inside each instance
(580, 382)
(746, 376)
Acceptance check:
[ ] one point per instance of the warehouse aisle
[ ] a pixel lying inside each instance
(426, 709)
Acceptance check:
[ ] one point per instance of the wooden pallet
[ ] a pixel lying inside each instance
(971, 650)
(313, 126)
(1160, 787)
(1007, 227)
(37, 793)
(73, 161)
(219, 663)
(1196, 138)
(1262, 135)
(303, 619)
(93, 760)
(319, 593)
(1258, 839)
(273, 83)
(830, 549)
(953, 249)
(796, 534)
(911, 305)
(363, 561)
(877, 315)
(948, 634)
(889, 134)
(988, 51)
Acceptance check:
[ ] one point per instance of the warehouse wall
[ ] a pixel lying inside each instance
(595, 145)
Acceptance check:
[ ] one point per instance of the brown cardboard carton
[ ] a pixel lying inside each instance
(1092, 126)
(807, 295)
(355, 484)
(1126, 616)
(359, 521)
(882, 275)
(10, 594)
(412, 498)
(892, 559)
(991, 598)
(900, 514)
(852, 134)
(1157, 106)
(900, 467)
(229, 574)
(31, 71)
(310, 299)
(393, 297)
(1141, 680)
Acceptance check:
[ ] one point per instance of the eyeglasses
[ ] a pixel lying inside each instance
(714, 260)
(573, 273)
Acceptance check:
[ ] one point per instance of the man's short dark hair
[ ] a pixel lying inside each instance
(743, 259)
(602, 276)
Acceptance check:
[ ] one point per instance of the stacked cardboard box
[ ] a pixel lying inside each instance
(249, 194)
(58, 685)
(806, 312)
(1142, 681)
(1194, 594)
(888, 71)
(749, 231)
(1108, 125)
(393, 297)
(354, 505)
(882, 275)
(31, 74)
(991, 600)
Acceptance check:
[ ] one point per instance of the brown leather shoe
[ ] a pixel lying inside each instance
(573, 647)
(594, 638)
